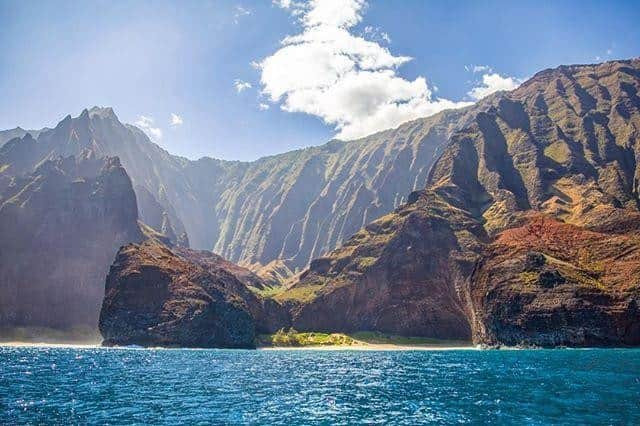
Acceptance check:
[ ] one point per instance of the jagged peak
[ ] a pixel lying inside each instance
(64, 121)
(103, 112)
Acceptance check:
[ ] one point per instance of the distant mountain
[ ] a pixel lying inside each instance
(290, 207)
(18, 132)
(100, 132)
(528, 231)
(61, 226)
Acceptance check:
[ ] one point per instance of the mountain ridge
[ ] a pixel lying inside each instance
(220, 204)
(527, 232)
(559, 151)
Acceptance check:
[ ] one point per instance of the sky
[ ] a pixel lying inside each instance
(239, 80)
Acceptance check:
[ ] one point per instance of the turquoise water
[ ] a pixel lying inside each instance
(124, 386)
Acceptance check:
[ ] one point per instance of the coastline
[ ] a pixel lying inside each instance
(359, 346)
(363, 346)
(19, 344)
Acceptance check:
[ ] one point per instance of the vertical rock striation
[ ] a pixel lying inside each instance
(527, 233)
(61, 227)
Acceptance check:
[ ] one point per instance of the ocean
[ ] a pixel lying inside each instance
(55, 385)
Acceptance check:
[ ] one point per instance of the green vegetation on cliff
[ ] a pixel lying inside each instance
(292, 338)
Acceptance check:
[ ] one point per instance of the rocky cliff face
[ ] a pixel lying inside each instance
(297, 206)
(98, 131)
(156, 296)
(61, 226)
(565, 146)
(290, 207)
(549, 283)
(394, 276)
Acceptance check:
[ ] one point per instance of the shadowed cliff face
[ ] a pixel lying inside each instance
(61, 227)
(158, 296)
(290, 207)
(98, 131)
(565, 145)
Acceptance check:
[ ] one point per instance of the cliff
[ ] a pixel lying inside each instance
(451, 263)
(156, 296)
(61, 226)
(290, 207)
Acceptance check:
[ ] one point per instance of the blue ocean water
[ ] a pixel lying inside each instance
(126, 386)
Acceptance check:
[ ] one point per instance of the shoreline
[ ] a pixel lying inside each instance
(356, 347)
(360, 346)
(363, 346)
(20, 344)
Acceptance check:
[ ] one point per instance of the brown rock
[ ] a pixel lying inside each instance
(156, 296)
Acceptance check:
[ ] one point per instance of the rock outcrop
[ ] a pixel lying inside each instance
(526, 229)
(157, 296)
(394, 276)
(549, 283)
(61, 226)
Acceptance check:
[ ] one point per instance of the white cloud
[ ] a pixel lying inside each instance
(481, 68)
(176, 120)
(285, 4)
(146, 124)
(375, 34)
(263, 106)
(492, 83)
(240, 12)
(348, 81)
(478, 68)
(241, 85)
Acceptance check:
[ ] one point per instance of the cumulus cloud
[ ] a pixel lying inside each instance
(263, 106)
(491, 83)
(241, 85)
(146, 124)
(349, 81)
(176, 120)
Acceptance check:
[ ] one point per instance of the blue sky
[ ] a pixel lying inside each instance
(348, 67)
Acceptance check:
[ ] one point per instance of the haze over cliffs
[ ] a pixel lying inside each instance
(289, 207)
(61, 227)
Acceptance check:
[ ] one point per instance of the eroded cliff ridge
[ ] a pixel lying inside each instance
(61, 227)
(523, 236)
(290, 207)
